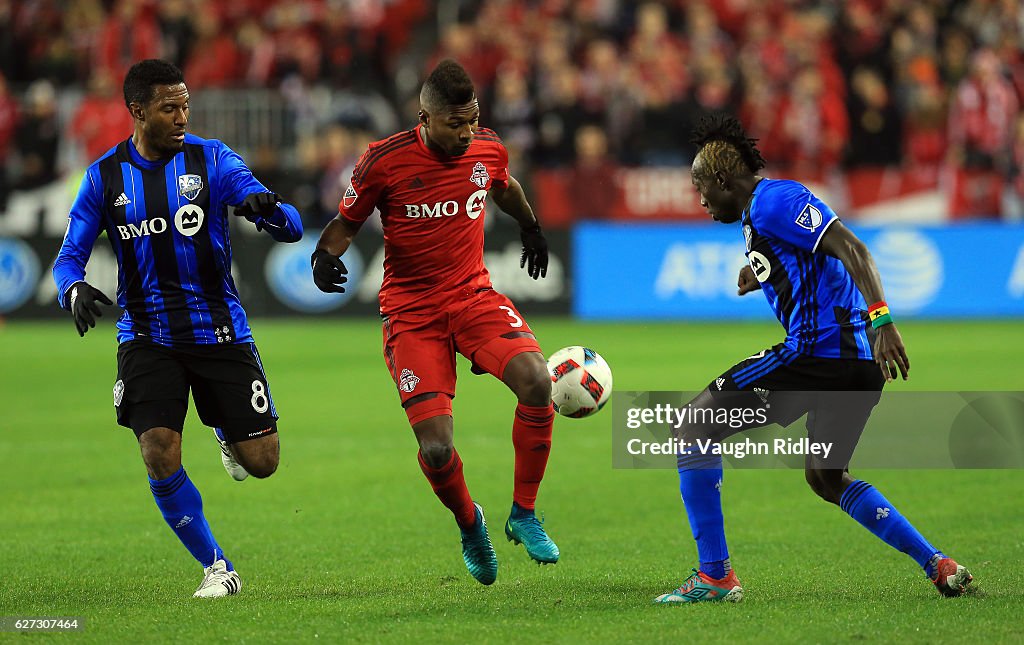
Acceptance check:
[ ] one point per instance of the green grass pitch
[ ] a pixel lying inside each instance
(347, 542)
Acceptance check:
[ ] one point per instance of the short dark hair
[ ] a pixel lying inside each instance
(448, 84)
(725, 145)
(144, 75)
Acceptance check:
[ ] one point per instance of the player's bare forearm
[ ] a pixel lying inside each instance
(329, 272)
(512, 200)
(889, 351)
(841, 243)
(337, 236)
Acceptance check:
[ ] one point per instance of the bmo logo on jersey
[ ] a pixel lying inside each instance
(143, 228)
(475, 203)
(188, 220)
(474, 207)
(440, 209)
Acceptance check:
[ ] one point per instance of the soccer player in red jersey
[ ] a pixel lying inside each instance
(430, 185)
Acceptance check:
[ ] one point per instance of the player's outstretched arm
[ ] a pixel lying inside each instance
(512, 199)
(890, 354)
(252, 200)
(328, 270)
(269, 212)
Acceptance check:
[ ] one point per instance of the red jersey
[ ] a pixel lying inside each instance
(432, 209)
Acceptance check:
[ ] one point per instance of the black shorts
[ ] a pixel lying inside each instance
(227, 382)
(836, 394)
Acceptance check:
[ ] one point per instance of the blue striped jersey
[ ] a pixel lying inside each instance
(811, 293)
(167, 224)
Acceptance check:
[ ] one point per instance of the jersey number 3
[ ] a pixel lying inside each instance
(516, 320)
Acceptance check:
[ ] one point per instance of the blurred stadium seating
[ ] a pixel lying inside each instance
(893, 111)
(930, 87)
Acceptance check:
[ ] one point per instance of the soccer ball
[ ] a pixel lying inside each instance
(581, 381)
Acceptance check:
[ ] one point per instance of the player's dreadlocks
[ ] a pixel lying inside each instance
(725, 146)
(448, 84)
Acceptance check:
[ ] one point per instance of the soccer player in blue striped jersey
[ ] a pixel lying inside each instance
(838, 353)
(162, 196)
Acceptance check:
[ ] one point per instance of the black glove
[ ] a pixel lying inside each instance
(535, 249)
(83, 297)
(328, 272)
(258, 205)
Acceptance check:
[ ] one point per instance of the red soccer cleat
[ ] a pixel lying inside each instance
(951, 579)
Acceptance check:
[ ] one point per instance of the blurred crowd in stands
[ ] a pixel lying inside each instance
(930, 86)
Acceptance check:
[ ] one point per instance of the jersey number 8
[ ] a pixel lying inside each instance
(259, 399)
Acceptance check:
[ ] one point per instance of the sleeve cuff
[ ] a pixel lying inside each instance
(822, 234)
(349, 218)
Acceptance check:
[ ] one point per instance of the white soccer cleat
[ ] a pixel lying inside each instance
(235, 469)
(218, 582)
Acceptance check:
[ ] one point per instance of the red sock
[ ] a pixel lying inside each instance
(450, 487)
(531, 437)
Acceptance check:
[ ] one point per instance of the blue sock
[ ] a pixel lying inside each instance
(700, 481)
(865, 504)
(182, 508)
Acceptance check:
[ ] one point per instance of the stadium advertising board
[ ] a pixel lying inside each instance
(279, 280)
(616, 193)
(673, 271)
(664, 194)
(275, 279)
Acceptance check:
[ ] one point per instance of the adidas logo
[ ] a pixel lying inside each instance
(881, 513)
(232, 584)
(184, 522)
(719, 382)
(763, 393)
(416, 183)
(122, 200)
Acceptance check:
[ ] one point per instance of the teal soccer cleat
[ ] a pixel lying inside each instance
(524, 528)
(477, 551)
(701, 588)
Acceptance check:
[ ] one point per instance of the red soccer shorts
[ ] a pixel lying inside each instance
(419, 348)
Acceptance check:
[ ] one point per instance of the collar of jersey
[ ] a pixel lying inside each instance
(425, 148)
(141, 161)
(753, 194)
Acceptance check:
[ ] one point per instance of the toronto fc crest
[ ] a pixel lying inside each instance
(480, 176)
(407, 381)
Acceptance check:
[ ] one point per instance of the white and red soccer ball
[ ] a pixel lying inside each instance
(581, 381)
